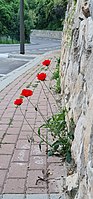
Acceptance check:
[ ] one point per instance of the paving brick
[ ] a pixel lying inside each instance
(53, 186)
(53, 159)
(31, 121)
(20, 156)
(26, 128)
(30, 115)
(10, 139)
(18, 117)
(2, 133)
(36, 151)
(17, 170)
(1, 112)
(25, 135)
(37, 162)
(37, 139)
(2, 176)
(12, 131)
(16, 124)
(3, 127)
(6, 149)
(4, 120)
(23, 144)
(4, 161)
(14, 186)
(32, 190)
(8, 114)
(33, 177)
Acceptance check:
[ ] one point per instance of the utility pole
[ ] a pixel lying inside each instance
(22, 35)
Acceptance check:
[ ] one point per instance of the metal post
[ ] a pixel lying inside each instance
(22, 35)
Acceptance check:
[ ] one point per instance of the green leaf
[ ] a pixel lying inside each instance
(40, 144)
(68, 156)
(55, 145)
(39, 131)
(50, 153)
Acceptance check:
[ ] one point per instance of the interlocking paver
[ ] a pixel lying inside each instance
(36, 151)
(17, 170)
(2, 133)
(37, 162)
(23, 144)
(10, 139)
(20, 156)
(14, 186)
(3, 127)
(13, 131)
(2, 176)
(6, 149)
(24, 135)
(32, 179)
(26, 127)
(16, 124)
(4, 161)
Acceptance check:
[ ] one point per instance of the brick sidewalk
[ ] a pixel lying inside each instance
(25, 171)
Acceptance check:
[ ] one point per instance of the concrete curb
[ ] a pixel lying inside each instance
(3, 55)
(32, 196)
(10, 77)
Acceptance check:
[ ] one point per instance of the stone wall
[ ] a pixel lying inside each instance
(46, 34)
(77, 92)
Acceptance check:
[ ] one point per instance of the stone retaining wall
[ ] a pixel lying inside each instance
(77, 93)
(46, 34)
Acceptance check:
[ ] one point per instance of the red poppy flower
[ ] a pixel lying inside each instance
(46, 62)
(18, 101)
(41, 76)
(27, 92)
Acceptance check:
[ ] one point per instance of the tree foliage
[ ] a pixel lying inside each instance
(39, 14)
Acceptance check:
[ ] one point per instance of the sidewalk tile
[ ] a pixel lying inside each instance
(16, 124)
(33, 177)
(32, 190)
(4, 161)
(2, 133)
(36, 151)
(24, 135)
(3, 127)
(14, 186)
(26, 127)
(6, 149)
(20, 156)
(37, 162)
(23, 144)
(2, 176)
(10, 139)
(17, 170)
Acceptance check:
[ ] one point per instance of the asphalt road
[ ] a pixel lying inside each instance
(10, 57)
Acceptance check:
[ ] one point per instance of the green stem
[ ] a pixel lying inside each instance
(34, 130)
(37, 109)
(47, 98)
(51, 94)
